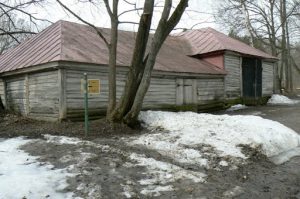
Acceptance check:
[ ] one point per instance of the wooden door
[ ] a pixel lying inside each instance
(252, 77)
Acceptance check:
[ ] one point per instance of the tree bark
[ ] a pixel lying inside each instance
(165, 26)
(284, 60)
(137, 64)
(112, 58)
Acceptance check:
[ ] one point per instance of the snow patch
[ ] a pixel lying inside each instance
(155, 190)
(62, 139)
(223, 163)
(237, 107)
(281, 100)
(161, 173)
(285, 156)
(23, 177)
(236, 191)
(223, 132)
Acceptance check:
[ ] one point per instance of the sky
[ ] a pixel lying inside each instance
(199, 13)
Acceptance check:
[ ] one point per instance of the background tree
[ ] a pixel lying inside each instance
(268, 22)
(16, 22)
(146, 49)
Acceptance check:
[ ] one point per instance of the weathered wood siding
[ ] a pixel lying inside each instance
(210, 90)
(162, 91)
(15, 94)
(233, 77)
(75, 97)
(34, 95)
(2, 90)
(43, 96)
(267, 78)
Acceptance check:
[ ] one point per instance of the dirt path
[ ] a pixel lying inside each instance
(105, 170)
(104, 167)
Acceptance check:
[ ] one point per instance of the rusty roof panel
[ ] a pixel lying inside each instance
(208, 40)
(35, 50)
(67, 41)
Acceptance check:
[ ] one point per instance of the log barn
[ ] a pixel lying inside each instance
(198, 69)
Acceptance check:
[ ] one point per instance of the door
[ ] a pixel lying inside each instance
(187, 92)
(252, 77)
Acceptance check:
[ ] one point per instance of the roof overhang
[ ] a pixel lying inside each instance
(82, 66)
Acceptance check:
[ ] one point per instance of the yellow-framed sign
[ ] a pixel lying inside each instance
(94, 86)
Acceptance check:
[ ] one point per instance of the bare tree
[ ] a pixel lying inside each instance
(267, 21)
(126, 110)
(16, 22)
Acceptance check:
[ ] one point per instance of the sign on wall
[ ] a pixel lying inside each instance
(93, 86)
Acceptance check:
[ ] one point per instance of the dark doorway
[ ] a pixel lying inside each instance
(252, 77)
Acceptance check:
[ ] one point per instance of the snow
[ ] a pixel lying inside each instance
(237, 107)
(184, 132)
(161, 173)
(223, 163)
(23, 177)
(285, 156)
(62, 139)
(281, 100)
(155, 191)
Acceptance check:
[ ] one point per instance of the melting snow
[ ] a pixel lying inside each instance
(280, 99)
(62, 139)
(21, 176)
(161, 173)
(187, 130)
(237, 107)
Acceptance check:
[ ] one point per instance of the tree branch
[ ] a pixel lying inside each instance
(86, 22)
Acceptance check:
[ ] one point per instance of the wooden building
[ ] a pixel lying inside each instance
(250, 72)
(41, 78)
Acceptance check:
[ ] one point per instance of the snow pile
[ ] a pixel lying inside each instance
(280, 99)
(237, 107)
(187, 131)
(21, 176)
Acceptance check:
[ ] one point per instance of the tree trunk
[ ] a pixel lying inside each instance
(112, 58)
(289, 56)
(165, 26)
(137, 64)
(284, 64)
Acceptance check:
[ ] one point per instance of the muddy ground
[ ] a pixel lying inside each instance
(104, 170)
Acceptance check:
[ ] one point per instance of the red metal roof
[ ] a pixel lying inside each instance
(208, 40)
(67, 41)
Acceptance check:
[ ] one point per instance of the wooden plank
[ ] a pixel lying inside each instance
(210, 90)
(15, 95)
(62, 94)
(26, 84)
(44, 94)
(267, 78)
(233, 79)
(179, 91)
(2, 92)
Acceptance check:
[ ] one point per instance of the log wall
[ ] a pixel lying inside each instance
(162, 91)
(210, 90)
(15, 94)
(43, 95)
(34, 95)
(2, 91)
(233, 78)
(267, 78)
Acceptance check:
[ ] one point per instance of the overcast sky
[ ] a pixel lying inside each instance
(97, 14)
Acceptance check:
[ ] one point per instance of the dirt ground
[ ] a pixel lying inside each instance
(103, 168)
